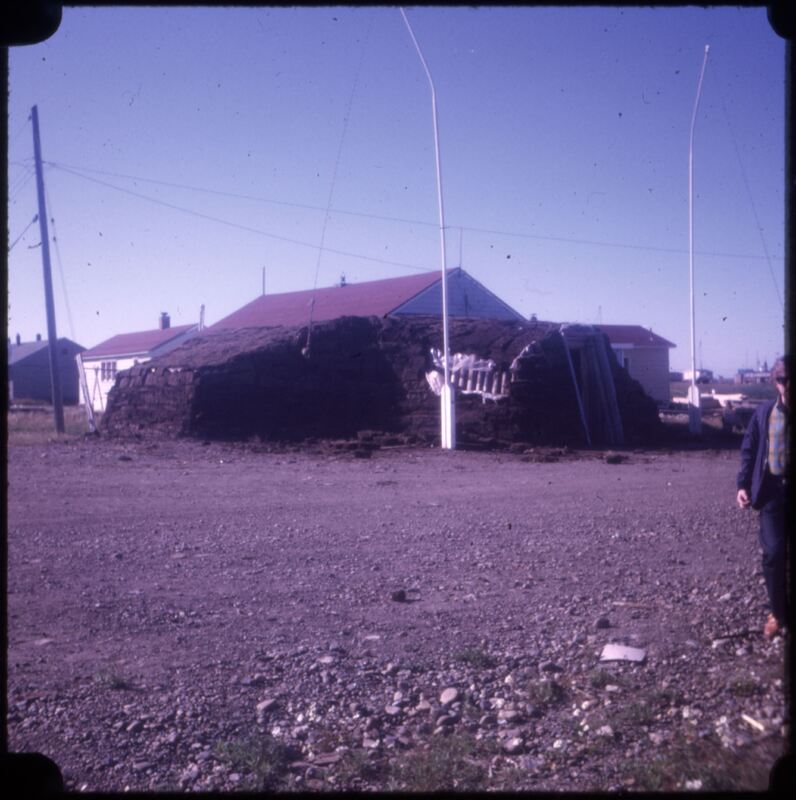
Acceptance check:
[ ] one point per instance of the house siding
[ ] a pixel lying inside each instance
(466, 298)
(99, 385)
(650, 367)
(29, 378)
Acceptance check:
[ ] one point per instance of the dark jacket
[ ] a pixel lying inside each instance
(754, 453)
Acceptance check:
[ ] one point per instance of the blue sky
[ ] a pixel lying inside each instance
(189, 148)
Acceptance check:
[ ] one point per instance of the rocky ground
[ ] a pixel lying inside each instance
(187, 616)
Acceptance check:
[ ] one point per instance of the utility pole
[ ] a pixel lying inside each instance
(694, 402)
(55, 372)
(447, 395)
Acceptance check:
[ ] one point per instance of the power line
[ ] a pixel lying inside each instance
(34, 220)
(237, 225)
(473, 229)
(19, 183)
(326, 215)
(60, 266)
(236, 195)
(749, 194)
(21, 128)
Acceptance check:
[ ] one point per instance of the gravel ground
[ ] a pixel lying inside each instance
(208, 617)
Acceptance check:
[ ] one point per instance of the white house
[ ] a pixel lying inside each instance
(101, 363)
(644, 354)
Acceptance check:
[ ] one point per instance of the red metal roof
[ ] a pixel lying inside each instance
(128, 344)
(371, 298)
(635, 335)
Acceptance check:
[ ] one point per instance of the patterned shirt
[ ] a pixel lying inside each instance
(778, 440)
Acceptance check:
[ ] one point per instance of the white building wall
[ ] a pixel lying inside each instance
(100, 381)
(649, 366)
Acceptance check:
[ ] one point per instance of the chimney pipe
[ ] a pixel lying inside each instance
(19, 339)
(165, 321)
(38, 337)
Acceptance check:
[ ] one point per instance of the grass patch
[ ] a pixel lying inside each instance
(38, 427)
(260, 758)
(113, 681)
(709, 766)
(356, 766)
(476, 658)
(448, 764)
(745, 687)
(600, 678)
(638, 713)
(663, 698)
(546, 693)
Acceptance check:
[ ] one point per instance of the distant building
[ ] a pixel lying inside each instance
(645, 355)
(102, 362)
(752, 376)
(412, 295)
(675, 376)
(702, 375)
(29, 370)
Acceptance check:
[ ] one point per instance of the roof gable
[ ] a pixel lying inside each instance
(635, 335)
(409, 294)
(19, 352)
(368, 299)
(142, 342)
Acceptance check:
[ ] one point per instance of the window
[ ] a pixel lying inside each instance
(107, 370)
(622, 357)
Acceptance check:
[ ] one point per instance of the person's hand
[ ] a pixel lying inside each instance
(743, 498)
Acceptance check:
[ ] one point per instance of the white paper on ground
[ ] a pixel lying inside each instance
(619, 652)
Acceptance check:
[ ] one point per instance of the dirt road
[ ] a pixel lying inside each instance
(209, 617)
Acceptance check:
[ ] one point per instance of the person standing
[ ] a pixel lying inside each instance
(761, 485)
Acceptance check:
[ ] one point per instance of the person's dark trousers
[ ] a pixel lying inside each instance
(772, 542)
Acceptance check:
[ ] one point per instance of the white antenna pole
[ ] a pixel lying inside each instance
(448, 426)
(694, 410)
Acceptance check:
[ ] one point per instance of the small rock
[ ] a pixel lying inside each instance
(448, 696)
(513, 746)
(399, 596)
(263, 707)
(326, 759)
(602, 623)
(189, 774)
(550, 666)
